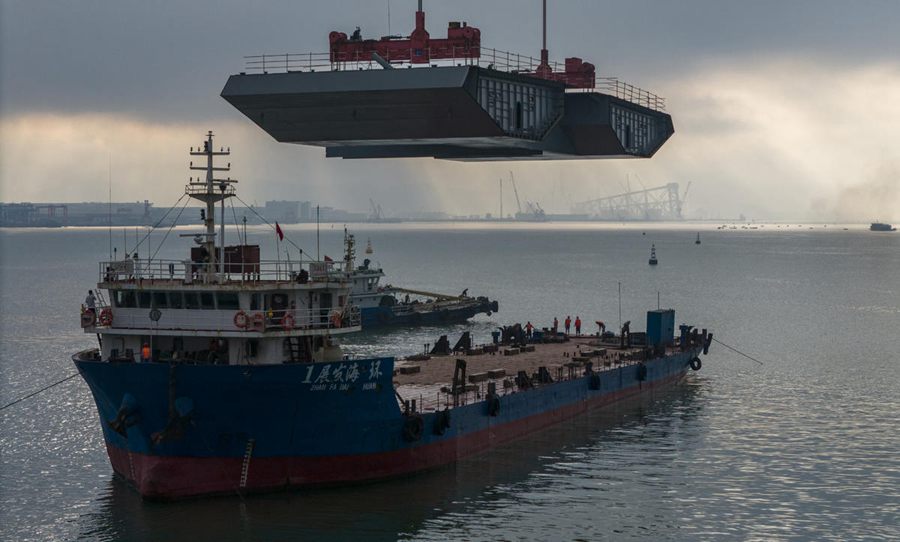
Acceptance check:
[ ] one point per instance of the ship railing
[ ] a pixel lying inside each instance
(485, 57)
(626, 91)
(190, 272)
(220, 320)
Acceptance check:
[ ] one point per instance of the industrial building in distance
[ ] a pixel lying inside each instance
(662, 203)
(143, 213)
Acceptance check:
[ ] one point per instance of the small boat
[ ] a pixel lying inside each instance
(653, 255)
(388, 305)
(697, 242)
(880, 226)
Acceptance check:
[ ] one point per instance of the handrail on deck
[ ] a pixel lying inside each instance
(490, 58)
(190, 272)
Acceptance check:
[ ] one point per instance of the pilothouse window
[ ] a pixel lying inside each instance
(191, 300)
(228, 301)
(160, 300)
(175, 301)
(125, 299)
(144, 300)
(207, 301)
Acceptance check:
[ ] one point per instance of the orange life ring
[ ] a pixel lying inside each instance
(287, 322)
(241, 320)
(259, 322)
(106, 317)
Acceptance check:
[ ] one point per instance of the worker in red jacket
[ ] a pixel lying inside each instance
(568, 324)
(577, 325)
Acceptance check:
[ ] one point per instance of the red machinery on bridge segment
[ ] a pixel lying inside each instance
(462, 42)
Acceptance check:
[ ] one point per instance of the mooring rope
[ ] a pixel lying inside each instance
(733, 349)
(30, 395)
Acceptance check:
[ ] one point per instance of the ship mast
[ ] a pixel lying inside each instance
(206, 191)
(349, 251)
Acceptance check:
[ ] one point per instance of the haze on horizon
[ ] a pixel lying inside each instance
(783, 110)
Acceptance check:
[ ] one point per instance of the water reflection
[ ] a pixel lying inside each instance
(424, 505)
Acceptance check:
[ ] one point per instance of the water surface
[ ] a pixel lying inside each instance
(803, 447)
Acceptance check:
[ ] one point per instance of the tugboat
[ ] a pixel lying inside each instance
(220, 374)
(653, 260)
(388, 305)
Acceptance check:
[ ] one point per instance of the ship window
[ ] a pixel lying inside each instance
(125, 299)
(228, 301)
(254, 302)
(160, 300)
(279, 302)
(518, 116)
(144, 300)
(191, 300)
(207, 300)
(175, 301)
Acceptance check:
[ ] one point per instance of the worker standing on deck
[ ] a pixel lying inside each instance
(528, 329)
(577, 325)
(568, 324)
(91, 302)
(555, 325)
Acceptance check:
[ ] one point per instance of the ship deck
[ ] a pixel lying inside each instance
(429, 381)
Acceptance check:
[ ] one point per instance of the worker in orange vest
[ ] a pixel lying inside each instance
(577, 325)
(528, 329)
(568, 324)
(145, 352)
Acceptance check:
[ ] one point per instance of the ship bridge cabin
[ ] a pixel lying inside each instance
(222, 304)
(254, 312)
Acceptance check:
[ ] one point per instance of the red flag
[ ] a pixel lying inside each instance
(279, 232)
(327, 259)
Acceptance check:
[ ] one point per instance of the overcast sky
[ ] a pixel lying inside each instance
(782, 109)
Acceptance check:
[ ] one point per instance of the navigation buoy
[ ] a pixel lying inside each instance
(697, 242)
(653, 255)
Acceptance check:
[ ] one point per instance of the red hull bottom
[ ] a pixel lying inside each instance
(165, 478)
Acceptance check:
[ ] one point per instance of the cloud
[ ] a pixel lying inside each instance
(777, 138)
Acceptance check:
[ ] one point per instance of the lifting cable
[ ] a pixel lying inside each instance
(30, 395)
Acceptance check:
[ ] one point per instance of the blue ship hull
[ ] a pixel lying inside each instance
(178, 431)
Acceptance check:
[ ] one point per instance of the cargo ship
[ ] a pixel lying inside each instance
(880, 226)
(386, 305)
(221, 373)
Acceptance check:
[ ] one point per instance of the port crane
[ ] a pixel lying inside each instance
(515, 191)
(377, 213)
(659, 203)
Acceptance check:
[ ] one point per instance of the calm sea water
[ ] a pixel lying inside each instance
(805, 447)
